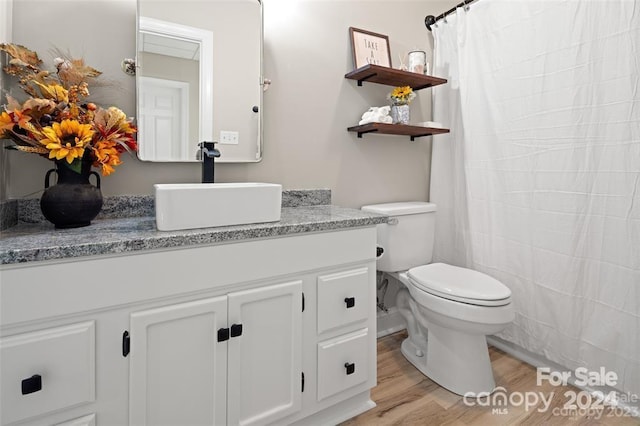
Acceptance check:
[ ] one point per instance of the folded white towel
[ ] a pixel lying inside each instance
(377, 115)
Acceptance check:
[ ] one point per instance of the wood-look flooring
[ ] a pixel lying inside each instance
(406, 397)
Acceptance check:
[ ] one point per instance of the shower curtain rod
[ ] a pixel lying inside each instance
(429, 20)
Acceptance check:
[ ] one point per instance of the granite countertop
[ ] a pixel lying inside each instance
(29, 242)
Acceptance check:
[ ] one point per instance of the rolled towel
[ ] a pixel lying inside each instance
(384, 110)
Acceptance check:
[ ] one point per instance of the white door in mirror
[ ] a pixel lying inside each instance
(204, 205)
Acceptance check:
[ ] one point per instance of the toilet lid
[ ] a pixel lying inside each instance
(460, 284)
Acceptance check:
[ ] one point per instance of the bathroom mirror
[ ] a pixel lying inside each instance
(199, 78)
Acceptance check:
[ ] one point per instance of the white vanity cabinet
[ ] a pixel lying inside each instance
(255, 332)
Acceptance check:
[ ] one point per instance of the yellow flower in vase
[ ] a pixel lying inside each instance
(401, 95)
(66, 139)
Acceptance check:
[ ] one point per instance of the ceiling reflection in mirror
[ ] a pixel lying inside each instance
(199, 78)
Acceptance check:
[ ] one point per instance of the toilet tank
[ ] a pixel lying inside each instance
(407, 239)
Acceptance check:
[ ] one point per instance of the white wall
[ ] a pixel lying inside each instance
(306, 111)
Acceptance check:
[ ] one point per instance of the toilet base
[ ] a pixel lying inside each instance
(456, 361)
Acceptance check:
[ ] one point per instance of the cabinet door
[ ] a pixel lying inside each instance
(265, 361)
(177, 367)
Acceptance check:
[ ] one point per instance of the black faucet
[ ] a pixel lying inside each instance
(208, 154)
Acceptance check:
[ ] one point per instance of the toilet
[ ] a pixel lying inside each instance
(449, 310)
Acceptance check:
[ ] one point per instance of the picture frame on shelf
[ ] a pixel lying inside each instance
(369, 48)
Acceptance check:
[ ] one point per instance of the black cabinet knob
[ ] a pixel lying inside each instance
(350, 301)
(223, 334)
(350, 367)
(236, 330)
(255, 108)
(32, 384)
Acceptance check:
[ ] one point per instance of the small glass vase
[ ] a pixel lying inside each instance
(400, 113)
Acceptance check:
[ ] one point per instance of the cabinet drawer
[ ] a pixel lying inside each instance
(343, 362)
(47, 370)
(343, 298)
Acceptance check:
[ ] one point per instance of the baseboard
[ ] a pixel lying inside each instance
(540, 361)
(340, 412)
(389, 322)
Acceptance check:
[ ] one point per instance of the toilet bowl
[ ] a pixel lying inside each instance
(454, 350)
(449, 310)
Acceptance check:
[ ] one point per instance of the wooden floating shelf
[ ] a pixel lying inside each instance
(393, 77)
(397, 129)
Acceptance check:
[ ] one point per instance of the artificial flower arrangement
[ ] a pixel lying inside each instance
(56, 121)
(401, 95)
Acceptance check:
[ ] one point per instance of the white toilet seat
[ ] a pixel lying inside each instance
(459, 285)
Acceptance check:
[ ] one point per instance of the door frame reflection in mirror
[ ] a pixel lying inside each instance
(204, 38)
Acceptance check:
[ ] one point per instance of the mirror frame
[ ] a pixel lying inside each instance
(205, 39)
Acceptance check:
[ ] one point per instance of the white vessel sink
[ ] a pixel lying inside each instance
(204, 205)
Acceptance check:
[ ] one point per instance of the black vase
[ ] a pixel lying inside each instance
(72, 202)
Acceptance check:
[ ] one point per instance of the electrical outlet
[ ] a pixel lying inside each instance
(229, 138)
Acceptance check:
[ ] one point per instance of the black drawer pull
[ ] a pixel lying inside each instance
(126, 343)
(32, 384)
(350, 301)
(350, 367)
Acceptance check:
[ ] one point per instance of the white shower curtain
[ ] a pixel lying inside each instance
(538, 183)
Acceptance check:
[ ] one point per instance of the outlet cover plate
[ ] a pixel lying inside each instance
(229, 137)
